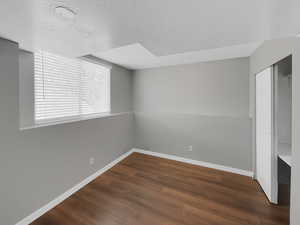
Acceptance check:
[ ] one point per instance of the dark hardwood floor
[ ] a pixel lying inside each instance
(146, 190)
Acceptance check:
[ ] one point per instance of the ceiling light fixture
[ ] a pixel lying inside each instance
(65, 12)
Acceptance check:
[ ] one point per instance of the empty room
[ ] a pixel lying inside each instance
(139, 112)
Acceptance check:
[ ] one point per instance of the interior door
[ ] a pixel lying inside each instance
(264, 133)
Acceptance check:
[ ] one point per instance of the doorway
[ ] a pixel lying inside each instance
(273, 130)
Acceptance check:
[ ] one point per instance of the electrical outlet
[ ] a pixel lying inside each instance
(92, 161)
(190, 148)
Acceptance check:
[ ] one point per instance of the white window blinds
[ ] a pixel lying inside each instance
(69, 88)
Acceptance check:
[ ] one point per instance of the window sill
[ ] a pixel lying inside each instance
(72, 120)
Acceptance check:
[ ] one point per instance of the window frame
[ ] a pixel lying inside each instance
(79, 117)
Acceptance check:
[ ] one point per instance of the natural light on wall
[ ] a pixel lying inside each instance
(69, 88)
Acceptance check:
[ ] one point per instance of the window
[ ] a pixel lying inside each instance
(95, 89)
(69, 88)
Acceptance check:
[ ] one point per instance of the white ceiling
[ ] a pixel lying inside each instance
(144, 33)
(135, 56)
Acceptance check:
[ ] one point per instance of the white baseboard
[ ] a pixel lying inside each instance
(196, 162)
(29, 219)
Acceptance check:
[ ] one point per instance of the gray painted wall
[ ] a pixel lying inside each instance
(284, 108)
(268, 54)
(205, 105)
(39, 164)
(26, 89)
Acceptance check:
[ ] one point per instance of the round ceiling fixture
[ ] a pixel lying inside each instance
(65, 12)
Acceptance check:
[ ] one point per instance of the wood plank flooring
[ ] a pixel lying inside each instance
(146, 190)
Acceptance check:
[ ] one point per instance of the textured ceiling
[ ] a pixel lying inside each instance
(168, 31)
